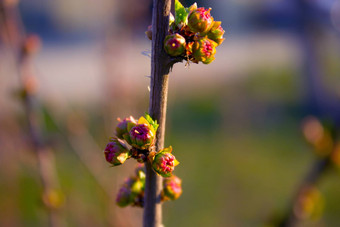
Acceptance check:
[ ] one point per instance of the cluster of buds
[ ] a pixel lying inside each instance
(193, 34)
(136, 139)
(132, 191)
(133, 139)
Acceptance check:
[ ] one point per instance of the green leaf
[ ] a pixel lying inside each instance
(181, 13)
(151, 121)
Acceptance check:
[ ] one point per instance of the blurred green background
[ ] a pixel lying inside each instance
(235, 125)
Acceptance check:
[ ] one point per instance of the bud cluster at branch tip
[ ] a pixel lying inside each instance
(193, 34)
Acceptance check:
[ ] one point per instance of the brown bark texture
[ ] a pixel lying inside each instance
(160, 67)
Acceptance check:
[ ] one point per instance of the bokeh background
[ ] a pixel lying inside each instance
(235, 124)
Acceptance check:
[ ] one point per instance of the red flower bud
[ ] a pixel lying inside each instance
(174, 44)
(172, 188)
(216, 32)
(204, 50)
(116, 152)
(200, 20)
(164, 162)
(141, 136)
(122, 127)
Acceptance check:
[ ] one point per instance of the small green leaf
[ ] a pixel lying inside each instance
(181, 13)
(151, 121)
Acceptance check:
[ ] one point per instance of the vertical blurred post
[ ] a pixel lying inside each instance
(160, 68)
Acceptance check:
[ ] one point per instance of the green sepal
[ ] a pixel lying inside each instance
(192, 7)
(130, 125)
(126, 137)
(151, 121)
(166, 150)
(181, 14)
(165, 174)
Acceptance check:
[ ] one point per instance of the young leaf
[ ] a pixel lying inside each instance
(181, 13)
(151, 122)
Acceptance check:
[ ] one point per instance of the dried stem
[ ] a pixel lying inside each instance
(160, 67)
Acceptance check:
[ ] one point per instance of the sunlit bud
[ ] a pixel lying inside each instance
(164, 162)
(172, 188)
(141, 136)
(200, 20)
(116, 152)
(122, 127)
(174, 44)
(204, 50)
(216, 32)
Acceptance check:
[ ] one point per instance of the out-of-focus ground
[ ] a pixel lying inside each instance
(235, 124)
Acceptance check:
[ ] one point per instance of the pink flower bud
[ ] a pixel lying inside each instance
(174, 44)
(200, 20)
(164, 162)
(116, 152)
(172, 188)
(216, 32)
(204, 50)
(122, 127)
(141, 136)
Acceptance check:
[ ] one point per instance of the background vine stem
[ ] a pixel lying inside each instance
(160, 68)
